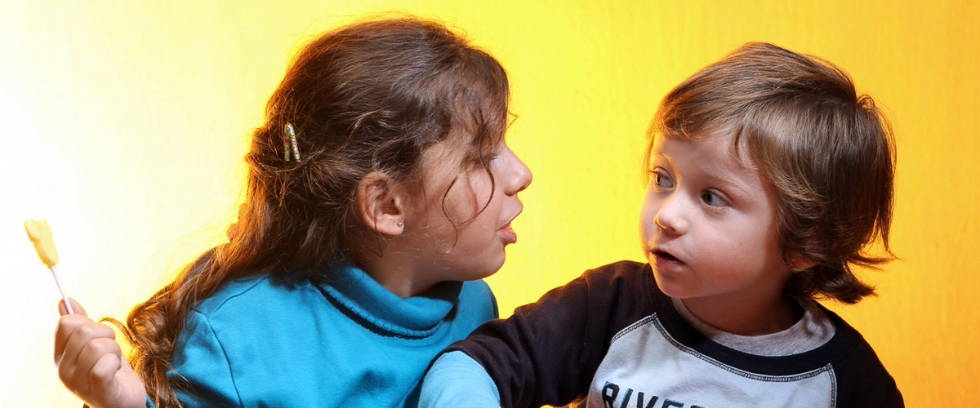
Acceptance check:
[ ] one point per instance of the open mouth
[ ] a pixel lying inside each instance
(665, 256)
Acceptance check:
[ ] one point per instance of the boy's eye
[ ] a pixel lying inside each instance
(713, 199)
(661, 179)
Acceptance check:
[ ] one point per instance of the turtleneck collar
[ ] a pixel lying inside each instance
(355, 293)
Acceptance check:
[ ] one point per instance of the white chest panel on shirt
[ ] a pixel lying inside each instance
(646, 368)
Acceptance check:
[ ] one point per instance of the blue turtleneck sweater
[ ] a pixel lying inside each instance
(346, 341)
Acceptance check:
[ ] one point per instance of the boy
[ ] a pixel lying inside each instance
(769, 177)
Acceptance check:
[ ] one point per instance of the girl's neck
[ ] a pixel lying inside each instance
(746, 318)
(395, 276)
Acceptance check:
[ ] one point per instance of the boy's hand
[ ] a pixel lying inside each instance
(91, 365)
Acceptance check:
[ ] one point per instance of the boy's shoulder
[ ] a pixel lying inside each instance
(624, 288)
(858, 368)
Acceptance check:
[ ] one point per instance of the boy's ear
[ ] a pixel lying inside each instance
(799, 262)
(380, 204)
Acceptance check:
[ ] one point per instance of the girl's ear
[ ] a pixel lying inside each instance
(380, 204)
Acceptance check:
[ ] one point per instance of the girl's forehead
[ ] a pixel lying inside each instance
(442, 152)
(449, 153)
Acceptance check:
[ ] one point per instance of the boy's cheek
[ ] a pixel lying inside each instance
(647, 226)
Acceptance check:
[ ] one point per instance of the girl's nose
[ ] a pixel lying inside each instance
(519, 175)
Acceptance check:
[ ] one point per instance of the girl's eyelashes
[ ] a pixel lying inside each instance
(487, 159)
(495, 152)
(491, 153)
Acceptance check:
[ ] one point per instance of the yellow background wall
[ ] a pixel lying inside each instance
(124, 124)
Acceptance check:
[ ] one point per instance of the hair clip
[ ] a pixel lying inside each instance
(290, 144)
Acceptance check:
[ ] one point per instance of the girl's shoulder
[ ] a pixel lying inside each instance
(257, 293)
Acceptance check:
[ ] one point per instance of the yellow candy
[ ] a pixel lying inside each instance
(40, 234)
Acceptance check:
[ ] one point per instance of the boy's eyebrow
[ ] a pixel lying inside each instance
(662, 156)
(740, 188)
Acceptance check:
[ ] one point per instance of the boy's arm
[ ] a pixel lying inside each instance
(863, 381)
(548, 351)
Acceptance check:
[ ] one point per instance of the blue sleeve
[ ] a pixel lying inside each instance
(456, 380)
(201, 374)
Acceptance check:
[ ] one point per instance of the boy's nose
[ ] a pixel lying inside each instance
(670, 217)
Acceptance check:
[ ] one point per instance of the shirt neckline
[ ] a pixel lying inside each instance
(353, 292)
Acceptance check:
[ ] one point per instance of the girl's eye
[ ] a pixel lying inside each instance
(489, 158)
(485, 157)
(713, 199)
(661, 179)
(494, 152)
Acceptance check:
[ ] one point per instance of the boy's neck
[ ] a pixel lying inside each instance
(746, 318)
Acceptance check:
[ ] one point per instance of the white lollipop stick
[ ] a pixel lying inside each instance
(65, 298)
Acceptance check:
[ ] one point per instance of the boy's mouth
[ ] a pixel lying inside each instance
(665, 256)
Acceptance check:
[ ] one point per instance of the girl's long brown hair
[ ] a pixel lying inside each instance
(366, 97)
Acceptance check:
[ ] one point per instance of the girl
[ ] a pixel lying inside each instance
(379, 184)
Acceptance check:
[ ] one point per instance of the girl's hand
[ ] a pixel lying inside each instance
(91, 365)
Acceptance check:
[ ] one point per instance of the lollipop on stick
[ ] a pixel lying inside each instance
(40, 235)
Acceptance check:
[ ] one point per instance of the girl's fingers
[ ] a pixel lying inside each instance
(75, 307)
(85, 339)
(86, 371)
(103, 372)
(67, 325)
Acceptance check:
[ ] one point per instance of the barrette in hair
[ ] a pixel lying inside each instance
(289, 145)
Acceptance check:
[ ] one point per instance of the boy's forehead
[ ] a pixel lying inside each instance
(716, 149)
(712, 161)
